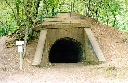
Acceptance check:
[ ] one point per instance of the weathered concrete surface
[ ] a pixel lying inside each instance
(53, 35)
(40, 47)
(69, 20)
(95, 45)
(71, 26)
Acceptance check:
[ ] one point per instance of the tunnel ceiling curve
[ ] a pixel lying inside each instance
(66, 50)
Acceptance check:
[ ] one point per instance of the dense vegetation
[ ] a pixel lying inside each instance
(25, 14)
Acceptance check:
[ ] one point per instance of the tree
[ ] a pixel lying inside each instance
(25, 18)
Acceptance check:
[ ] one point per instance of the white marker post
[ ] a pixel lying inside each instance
(20, 50)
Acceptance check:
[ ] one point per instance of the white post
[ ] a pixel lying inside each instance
(21, 61)
(20, 50)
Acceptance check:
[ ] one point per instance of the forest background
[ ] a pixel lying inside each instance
(23, 15)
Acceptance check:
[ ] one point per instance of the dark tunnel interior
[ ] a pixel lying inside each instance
(66, 50)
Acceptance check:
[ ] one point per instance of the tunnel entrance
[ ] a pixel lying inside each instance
(66, 50)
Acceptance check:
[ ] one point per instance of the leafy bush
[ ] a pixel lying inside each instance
(111, 12)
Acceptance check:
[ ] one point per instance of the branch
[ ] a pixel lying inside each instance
(11, 8)
(1, 22)
(36, 6)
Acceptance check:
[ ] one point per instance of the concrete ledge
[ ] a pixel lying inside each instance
(40, 47)
(95, 45)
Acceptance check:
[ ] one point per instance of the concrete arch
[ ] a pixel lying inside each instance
(64, 30)
(66, 50)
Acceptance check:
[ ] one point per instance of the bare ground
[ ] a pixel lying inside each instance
(114, 70)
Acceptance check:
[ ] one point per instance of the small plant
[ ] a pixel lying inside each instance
(124, 40)
(92, 62)
(111, 68)
(4, 69)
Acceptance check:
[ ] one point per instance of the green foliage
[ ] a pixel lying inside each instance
(111, 12)
(16, 13)
(7, 22)
(111, 68)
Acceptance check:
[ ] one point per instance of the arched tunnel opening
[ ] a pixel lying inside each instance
(66, 50)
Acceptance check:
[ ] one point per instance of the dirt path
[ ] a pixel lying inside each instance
(67, 73)
(109, 72)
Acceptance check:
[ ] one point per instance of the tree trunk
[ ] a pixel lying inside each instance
(28, 24)
(18, 13)
(114, 23)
